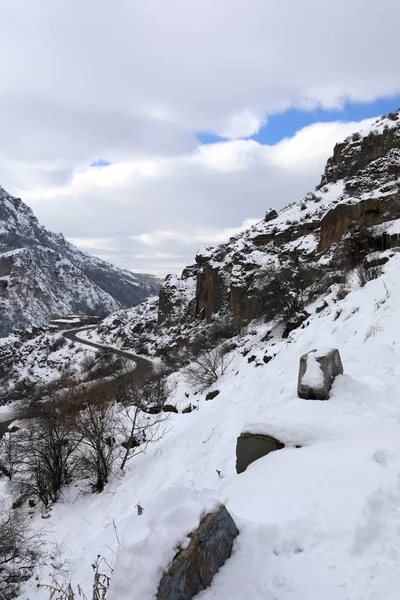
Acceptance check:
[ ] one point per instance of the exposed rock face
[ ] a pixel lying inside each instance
(316, 374)
(211, 292)
(353, 155)
(359, 188)
(42, 274)
(193, 569)
(252, 446)
(372, 211)
(355, 211)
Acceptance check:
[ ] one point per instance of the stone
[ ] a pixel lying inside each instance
(294, 323)
(169, 408)
(270, 215)
(193, 568)
(212, 395)
(316, 386)
(252, 446)
(187, 410)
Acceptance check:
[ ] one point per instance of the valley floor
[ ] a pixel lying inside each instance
(319, 521)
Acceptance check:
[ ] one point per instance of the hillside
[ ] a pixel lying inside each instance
(353, 212)
(317, 518)
(41, 273)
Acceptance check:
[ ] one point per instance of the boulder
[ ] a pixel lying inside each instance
(193, 568)
(169, 408)
(317, 372)
(270, 215)
(252, 446)
(212, 395)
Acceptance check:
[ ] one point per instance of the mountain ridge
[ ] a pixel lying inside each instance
(42, 273)
(359, 195)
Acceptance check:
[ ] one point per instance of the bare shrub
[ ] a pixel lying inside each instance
(141, 417)
(40, 456)
(207, 368)
(288, 289)
(20, 550)
(57, 343)
(366, 272)
(66, 591)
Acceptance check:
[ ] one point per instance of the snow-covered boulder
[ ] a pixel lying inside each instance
(173, 547)
(193, 568)
(252, 446)
(318, 369)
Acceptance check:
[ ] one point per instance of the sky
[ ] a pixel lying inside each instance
(145, 129)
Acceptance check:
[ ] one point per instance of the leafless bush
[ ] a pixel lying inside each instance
(141, 418)
(288, 289)
(66, 591)
(20, 550)
(57, 343)
(366, 272)
(207, 368)
(39, 457)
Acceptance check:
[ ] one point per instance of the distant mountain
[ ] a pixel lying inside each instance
(43, 274)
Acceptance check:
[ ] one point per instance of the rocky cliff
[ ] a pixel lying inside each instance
(41, 273)
(359, 191)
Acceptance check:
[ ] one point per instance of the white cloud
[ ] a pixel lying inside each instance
(242, 125)
(153, 215)
(132, 83)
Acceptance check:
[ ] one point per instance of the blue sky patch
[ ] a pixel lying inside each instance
(100, 162)
(286, 124)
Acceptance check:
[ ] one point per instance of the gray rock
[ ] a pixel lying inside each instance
(193, 569)
(169, 408)
(270, 215)
(330, 365)
(252, 446)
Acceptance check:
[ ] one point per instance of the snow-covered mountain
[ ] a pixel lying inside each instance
(41, 273)
(318, 518)
(354, 211)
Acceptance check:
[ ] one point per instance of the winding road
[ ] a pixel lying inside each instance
(143, 366)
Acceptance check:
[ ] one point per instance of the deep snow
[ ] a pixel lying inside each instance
(319, 521)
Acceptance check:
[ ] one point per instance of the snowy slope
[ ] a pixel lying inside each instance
(320, 521)
(41, 273)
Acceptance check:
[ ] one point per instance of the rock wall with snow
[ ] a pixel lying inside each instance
(355, 209)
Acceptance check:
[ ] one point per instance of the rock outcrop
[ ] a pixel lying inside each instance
(194, 567)
(355, 211)
(317, 372)
(252, 446)
(359, 189)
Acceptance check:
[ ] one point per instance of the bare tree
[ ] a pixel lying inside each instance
(94, 421)
(39, 457)
(207, 368)
(141, 417)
